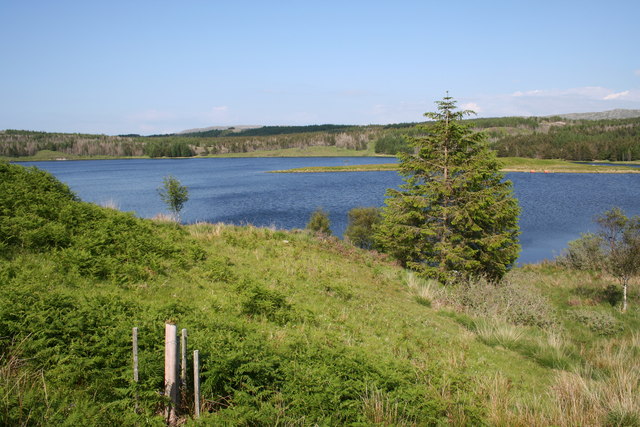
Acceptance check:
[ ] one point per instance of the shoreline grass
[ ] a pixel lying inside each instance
(510, 164)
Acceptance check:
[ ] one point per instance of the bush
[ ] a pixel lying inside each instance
(599, 322)
(514, 304)
(319, 222)
(260, 301)
(360, 230)
(584, 253)
(613, 295)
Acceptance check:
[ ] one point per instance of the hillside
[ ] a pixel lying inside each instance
(585, 138)
(603, 115)
(292, 329)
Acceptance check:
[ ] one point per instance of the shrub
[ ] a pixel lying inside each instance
(599, 322)
(360, 229)
(319, 222)
(612, 294)
(584, 253)
(260, 301)
(515, 304)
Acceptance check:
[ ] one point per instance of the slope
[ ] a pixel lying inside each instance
(292, 329)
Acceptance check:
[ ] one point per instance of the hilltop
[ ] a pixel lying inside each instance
(603, 115)
(292, 328)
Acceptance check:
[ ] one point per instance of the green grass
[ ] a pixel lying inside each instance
(511, 164)
(292, 328)
(47, 155)
(310, 151)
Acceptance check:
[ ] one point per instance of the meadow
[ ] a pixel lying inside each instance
(292, 328)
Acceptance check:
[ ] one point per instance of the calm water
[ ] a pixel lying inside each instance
(556, 208)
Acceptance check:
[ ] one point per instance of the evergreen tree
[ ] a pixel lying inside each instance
(454, 216)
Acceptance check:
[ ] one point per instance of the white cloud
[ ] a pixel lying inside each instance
(617, 95)
(528, 93)
(471, 106)
(637, 72)
(543, 102)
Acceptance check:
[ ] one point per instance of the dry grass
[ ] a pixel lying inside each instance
(496, 332)
(380, 410)
(426, 292)
(205, 230)
(110, 204)
(161, 217)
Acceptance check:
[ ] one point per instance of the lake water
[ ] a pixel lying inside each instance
(556, 207)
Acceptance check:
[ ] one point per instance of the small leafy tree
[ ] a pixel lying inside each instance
(174, 194)
(621, 241)
(319, 222)
(615, 248)
(455, 216)
(360, 229)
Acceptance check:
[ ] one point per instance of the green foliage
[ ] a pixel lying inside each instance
(392, 143)
(599, 322)
(455, 216)
(319, 222)
(505, 122)
(586, 140)
(513, 304)
(16, 143)
(361, 226)
(271, 130)
(174, 194)
(260, 301)
(291, 330)
(40, 214)
(621, 240)
(168, 149)
(615, 249)
(584, 253)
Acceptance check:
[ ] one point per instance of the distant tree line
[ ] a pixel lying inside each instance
(538, 137)
(18, 143)
(168, 149)
(534, 137)
(270, 130)
(614, 140)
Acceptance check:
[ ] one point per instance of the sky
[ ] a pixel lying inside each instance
(149, 67)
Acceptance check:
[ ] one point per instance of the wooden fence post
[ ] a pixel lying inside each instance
(171, 372)
(135, 354)
(196, 383)
(183, 359)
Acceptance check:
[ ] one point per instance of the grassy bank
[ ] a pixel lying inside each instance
(292, 329)
(48, 155)
(511, 164)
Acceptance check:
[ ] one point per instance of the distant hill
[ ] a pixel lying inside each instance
(239, 128)
(603, 115)
(608, 135)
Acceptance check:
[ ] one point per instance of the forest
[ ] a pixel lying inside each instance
(532, 137)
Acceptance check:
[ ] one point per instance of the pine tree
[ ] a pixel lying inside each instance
(455, 216)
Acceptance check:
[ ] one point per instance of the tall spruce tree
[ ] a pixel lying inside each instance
(455, 216)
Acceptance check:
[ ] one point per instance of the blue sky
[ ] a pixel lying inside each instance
(163, 66)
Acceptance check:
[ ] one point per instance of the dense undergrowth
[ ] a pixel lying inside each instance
(292, 329)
